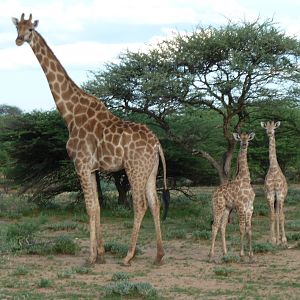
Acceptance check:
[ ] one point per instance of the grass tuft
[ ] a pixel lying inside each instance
(264, 247)
(120, 250)
(139, 290)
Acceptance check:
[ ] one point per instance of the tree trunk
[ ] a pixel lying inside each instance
(123, 187)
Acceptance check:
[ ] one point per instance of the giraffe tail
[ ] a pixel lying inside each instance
(166, 192)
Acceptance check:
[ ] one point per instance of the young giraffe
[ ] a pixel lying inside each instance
(238, 194)
(275, 187)
(98, 140)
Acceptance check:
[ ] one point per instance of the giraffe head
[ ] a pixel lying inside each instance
(270, 127)
(244, 138)
(25, 29)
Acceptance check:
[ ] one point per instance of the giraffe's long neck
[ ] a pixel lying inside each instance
(272, 152)
(67, 95)
(243, 169)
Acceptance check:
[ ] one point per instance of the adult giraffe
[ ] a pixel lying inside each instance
(98, 140)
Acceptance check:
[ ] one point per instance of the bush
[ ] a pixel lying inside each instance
(126, 288)
(231, 258)
(120, 276)
(222, 271)
(120, 250)
(21, 235)
(201, 235)
(264, 248)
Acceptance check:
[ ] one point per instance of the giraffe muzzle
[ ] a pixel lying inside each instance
(19, 40)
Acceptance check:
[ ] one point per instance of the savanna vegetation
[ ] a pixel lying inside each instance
(193, 91)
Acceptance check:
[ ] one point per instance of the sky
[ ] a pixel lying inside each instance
(87, 34)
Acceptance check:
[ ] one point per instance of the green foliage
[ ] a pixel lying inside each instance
(22, 234)
(20, 271)
(178, 234)
(45, 283)
(231, 258)
(120, 250)
(37, 154)
(224, 272)
(126, 288)
(201, 235)
(264, 248)
(118, 276)
(225, 73)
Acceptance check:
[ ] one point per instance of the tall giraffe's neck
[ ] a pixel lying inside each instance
(65, 92)
(272, 152)
(243, 170)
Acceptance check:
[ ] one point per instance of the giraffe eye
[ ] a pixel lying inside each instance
(30, 29)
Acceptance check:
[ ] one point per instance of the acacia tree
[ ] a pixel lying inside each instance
(225, 69)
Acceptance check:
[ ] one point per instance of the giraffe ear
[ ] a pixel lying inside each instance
(263, 124)
(251, 136)
(277, 124)
(15, 21)
(35, 23)
(236, 136)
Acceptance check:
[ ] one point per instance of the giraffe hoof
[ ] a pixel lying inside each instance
(158, 262)
(126, 264)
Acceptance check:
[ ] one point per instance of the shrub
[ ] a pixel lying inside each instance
(118, 276)
(126, 288)
(264, 247)
(201, 235)
(120, 250)
(21, 270)
(44, 283)
(222, 271)
(231, 258)
(176, 234)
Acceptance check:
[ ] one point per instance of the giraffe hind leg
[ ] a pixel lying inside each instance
(154, 206)
(139, 208)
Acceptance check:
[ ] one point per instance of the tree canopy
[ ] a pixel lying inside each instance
(226, 70)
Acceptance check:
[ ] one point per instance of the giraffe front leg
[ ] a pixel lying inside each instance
(271, 199)
(249, 231)
(282, 221)
(99, 240)
(91, 208)
(242, 222)
(223, 230)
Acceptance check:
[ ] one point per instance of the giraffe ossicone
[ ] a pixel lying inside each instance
(98, 140)
(237, 194)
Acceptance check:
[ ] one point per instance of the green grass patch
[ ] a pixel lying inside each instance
(20, 271)
(231, 258)
(120, 250)
(119, 276)
(264, 247)
(176, 234)
(45, 283)
(140, 290)
(201, 235)
(223, 272)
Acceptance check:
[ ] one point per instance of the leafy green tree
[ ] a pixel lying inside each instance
(7, 113)
(37, 154)
(228, 70)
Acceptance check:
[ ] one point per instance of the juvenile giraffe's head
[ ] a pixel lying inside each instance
(244, 139)
(270, 127)
(24, 29)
